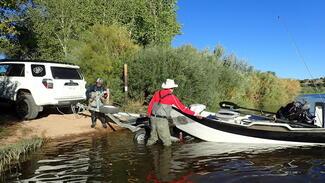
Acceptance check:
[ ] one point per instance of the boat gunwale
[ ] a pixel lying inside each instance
(307, 135)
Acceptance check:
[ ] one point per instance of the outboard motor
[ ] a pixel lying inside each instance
(296, 111)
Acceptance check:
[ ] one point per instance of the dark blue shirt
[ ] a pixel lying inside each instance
(94, 88)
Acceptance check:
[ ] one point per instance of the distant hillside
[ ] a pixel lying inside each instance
(313, 85)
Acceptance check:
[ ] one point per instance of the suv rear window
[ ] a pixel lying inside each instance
(15, 70)
(65, 73)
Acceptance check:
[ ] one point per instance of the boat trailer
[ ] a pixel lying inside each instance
(136, 123)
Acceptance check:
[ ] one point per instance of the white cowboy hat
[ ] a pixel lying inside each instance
(170, 83)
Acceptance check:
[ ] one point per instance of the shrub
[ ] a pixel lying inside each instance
(100, 52)
(206, 78)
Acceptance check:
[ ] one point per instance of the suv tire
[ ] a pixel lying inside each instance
(26, 107)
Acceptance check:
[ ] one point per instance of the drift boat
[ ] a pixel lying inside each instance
(231, 126)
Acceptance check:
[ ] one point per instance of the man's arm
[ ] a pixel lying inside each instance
(179, 105)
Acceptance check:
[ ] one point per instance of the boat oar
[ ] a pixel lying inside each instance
(231, 105)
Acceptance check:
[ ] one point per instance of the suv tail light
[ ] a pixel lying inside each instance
(48, 83)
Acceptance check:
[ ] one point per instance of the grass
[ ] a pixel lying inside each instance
(134, 106)
(14, 153)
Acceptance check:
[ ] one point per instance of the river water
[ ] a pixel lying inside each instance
(115, 158)
(311, 99)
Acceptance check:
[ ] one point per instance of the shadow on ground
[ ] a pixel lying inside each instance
(8, 115)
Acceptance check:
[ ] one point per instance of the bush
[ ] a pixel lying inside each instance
(203, 77)
(206, 78)
(100, 52)
(153, 66)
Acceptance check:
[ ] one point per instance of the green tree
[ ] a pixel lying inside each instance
(100, 52)
(153, 65)
(10, 11)
(16, 40)
(52, 24)
(55, 24)
(148, 21)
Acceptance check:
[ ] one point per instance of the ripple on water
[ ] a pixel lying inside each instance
(114, 158)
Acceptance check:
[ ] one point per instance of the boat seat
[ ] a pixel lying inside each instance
(226, 114)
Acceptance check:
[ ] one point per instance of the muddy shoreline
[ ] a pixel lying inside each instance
(49, 125)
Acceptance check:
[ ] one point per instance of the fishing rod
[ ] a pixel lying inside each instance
(298, 52)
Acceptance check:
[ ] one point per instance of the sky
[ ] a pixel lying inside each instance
(251, 30)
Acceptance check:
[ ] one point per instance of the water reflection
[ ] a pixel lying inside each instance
(166, 167)
(261, 164)
(114, 158)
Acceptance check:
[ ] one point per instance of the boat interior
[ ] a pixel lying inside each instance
(264, 121)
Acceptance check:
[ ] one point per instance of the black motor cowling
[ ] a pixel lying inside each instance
(296, 111)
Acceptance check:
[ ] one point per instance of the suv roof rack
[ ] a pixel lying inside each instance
(43, 61)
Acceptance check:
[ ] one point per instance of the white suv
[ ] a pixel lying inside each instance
(34, 84)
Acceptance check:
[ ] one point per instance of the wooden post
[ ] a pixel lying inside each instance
(126, 81)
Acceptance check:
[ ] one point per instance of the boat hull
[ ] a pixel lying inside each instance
(259, 132)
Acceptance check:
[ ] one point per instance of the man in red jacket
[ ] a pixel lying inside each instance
(159, 110)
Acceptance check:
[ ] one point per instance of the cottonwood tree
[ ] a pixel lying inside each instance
(101, 51)
(15, 38)
(53, 23)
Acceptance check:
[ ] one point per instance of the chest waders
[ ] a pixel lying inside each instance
(161, 110)
(159, 122)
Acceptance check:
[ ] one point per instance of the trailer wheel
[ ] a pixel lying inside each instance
(140, 137)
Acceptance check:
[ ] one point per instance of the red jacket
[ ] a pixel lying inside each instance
(168, 98)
